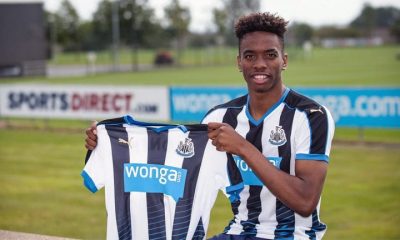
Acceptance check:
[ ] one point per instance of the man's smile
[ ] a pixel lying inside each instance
(260, 78)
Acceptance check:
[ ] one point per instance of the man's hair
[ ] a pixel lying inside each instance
(264, 22)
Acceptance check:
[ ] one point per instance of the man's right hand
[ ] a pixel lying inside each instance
(91, 137)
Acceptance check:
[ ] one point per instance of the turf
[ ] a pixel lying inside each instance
(325, 67)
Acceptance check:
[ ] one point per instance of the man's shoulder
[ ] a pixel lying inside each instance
(307, 105)
(301, 102)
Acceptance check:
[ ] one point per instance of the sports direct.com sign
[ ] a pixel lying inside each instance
(84, 102)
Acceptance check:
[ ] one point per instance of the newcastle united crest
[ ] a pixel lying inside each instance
(186, 149)
(278, 136)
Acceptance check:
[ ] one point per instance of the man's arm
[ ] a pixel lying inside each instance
(301, 192)
(91, 137)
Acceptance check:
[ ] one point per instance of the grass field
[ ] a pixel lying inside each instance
(326, 67)
(40, 161)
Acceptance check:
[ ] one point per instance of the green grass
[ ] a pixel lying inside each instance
(361, 196)
(206, 56)
(326, 67)
(42, 192)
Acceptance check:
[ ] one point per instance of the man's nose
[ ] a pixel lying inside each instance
(260, 64)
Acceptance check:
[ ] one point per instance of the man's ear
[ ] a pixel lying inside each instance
(285, 61)
(239, 63)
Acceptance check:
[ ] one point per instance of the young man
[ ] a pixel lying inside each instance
(280, 140)
(275, 133)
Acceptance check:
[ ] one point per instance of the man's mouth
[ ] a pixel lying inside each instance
(260, 78)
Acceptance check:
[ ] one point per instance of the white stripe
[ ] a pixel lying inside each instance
(331, 131)
(112, 230)
(172, 159)
(138, 153)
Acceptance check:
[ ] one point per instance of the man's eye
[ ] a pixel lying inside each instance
(272, 55)
(249, 57)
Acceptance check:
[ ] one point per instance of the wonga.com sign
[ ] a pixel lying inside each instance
(350, 107)
(360, 107)
(84, 102)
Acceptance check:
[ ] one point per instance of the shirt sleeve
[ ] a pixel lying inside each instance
(314, 135)
(93, 173)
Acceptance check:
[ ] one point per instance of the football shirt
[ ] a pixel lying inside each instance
(160, 180)
(295, 128)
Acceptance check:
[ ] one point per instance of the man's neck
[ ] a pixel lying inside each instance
(260, 103)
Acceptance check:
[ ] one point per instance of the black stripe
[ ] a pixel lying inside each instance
(286, 122)
(120, 155)
(192, 165)
(284, 215)
(199, 233)
(88, 153)
(254, 136)
(119, 120)
(157, 150)
(319, 131)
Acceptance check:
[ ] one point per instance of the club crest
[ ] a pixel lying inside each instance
(186, 149)
(278, 136)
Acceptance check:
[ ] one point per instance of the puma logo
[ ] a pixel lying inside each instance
(129, 142)
(316, 110)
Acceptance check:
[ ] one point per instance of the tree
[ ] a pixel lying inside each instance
(335, 32)
(178, 19)
(102, 29)
(302, 32)
(136, 22)
(138, 25)
(373, 18)
(395, 30)
(220, 20)
(234, 9)
(67, 23)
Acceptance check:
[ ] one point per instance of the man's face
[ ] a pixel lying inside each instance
(261, 61)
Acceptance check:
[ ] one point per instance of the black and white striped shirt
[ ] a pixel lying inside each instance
(160, 181)
(295, 128)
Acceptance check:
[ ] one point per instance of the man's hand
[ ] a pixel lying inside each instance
(91, 137)
(225, 138)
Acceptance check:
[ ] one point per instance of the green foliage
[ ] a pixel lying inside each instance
(381, 17)
(67, 24)
(302, 32)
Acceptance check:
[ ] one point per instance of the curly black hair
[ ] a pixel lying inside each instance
(265, 22)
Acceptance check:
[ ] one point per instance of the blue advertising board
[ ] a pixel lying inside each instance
(190, 104)
(350, 107)
(359, 107)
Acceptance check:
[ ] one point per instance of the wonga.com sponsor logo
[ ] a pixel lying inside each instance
(249, 177)
(139, 177)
